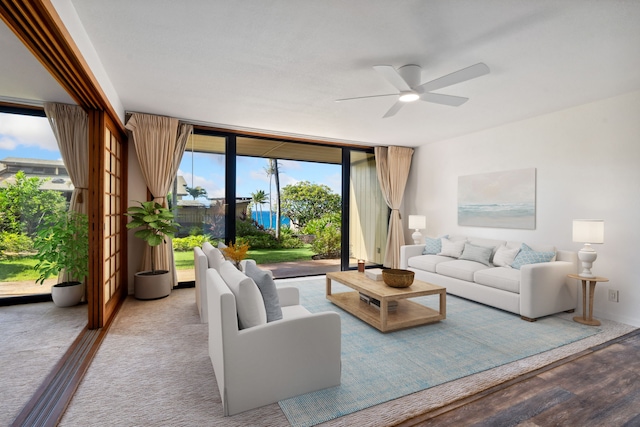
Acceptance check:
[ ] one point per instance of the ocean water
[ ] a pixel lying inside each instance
(263, 219)
(501, 215)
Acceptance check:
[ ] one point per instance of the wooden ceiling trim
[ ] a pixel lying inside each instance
(280, 137)
(37, 24)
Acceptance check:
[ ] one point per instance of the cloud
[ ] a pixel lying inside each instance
(17, 130)
(284, 165)
(213, 188)
(334, 182)
(259, 175)
(287, 180)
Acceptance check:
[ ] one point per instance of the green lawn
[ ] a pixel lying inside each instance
(21, 269)
(184, 260)
(18, 269)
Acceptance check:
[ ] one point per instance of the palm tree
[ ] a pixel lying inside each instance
(258, 198)
(276, 174)
(269, 170)
(196, 192)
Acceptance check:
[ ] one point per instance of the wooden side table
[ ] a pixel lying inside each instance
(588, 319)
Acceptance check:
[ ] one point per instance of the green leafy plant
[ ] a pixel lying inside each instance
(189, 242)
(156, 224)
(63, 245)
(12, 244)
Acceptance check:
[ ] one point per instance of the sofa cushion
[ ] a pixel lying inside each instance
(249, 302)
(452, 248)
(477, 253)
(294, 311)
(529, 256)
(214, 255)
(504, 256)
(506, 279)
(459, 269)
(267, 287)
(427, 262)
(431, 246)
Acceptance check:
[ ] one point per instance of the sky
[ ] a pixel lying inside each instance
(32, 137)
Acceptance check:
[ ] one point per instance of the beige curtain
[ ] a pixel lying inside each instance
(70, 127)
(392, 168)
(160, 143)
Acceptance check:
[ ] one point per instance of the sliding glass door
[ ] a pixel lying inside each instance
(368, 213)
(234, 187)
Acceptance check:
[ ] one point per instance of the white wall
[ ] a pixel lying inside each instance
(588, 166)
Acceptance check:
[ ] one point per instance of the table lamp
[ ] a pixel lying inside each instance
(588, 231)
(417, 222)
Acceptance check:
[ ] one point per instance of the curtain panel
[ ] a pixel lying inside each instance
(159, 142)
(70, 125)
(392, 168)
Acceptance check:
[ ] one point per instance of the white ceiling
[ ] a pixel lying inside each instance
(279, 65)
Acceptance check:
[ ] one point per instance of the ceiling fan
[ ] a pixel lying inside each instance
(407, 80)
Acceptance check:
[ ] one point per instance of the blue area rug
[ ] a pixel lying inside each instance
(379, 367)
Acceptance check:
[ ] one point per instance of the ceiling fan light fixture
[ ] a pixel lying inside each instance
(409, 97)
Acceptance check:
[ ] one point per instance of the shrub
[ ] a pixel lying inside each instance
(315, 226)
(248, 227)
(15, 242)
(195, 231)
(328, 237)
(189, 242)
(327, 243)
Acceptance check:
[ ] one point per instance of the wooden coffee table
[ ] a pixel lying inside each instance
(408, 313)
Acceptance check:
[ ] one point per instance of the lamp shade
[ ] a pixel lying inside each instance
(417, 222)
(588, 230)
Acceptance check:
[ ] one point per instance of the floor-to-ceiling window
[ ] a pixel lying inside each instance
(368, 212)
(234, 187)
(198, 199)
(34, 186)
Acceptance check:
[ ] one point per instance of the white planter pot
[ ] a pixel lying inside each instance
(152, 286)
(67, 294)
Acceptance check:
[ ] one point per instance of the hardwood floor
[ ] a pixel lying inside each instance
(599, 388)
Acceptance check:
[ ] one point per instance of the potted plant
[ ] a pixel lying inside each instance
(63, 245)
(155, 224)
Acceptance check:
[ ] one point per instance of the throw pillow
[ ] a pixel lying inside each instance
(504, 256)
(477, 253)
(432, 246)
(249, 302)
(214, 256)
(529, 256)
(268, 290)
(452, 249)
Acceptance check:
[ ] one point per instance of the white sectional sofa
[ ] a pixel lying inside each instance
(480, 270)
(256, 361)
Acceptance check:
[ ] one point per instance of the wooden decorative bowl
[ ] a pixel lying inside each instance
(397, 278)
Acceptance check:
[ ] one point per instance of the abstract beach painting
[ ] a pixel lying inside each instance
(498, 199)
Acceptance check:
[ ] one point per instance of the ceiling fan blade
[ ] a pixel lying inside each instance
(394, 109)
(459, 76)
(393, 77)
(438, 98)
(365, 97)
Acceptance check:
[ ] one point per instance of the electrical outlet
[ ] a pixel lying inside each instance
(613, 295)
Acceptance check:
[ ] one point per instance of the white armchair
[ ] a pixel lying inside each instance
(200, 266)
(273, 361)
(203, 259)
